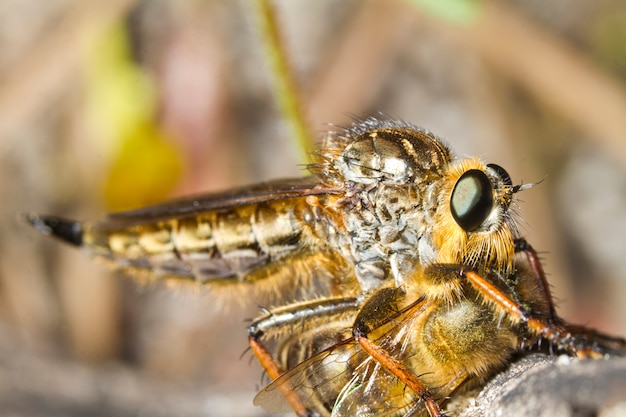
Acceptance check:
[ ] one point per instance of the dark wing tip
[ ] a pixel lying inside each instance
(69, 231)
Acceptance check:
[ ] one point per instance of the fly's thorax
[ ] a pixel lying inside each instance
(390, 154)
(387, 169)
(380, 222)
(475, 226)
(385, 224)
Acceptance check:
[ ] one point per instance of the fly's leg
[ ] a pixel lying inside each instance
(280, 321)
(401, 372)
(378, 310)
(613, 343)
(521, 245)
(609, 344)
(557, 334)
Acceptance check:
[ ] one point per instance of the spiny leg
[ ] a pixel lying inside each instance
(553, 332)
(521, 245)
(610, 344)
(285, 318)
(401, 372)
(381, 308)
(615, 343)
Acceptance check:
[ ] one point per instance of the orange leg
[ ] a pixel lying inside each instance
(402, 373)
(559, 335)
(610, 343)
(381, 308)
(271, 367)
(275, 322)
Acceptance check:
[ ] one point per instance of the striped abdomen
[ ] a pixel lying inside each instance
(218, 246)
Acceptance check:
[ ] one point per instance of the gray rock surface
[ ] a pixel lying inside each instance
(540, 385)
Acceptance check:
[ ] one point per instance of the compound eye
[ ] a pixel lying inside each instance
(501, 172)
(471, 200)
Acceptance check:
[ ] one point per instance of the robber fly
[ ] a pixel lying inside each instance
(407, 277)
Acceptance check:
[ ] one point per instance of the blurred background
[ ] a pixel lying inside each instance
(112, 105)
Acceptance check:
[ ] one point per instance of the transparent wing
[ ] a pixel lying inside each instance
(317, 380)
(343, 380)
(374, 391)
(244, 235)
(188, 206)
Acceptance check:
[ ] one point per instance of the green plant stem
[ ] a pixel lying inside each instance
(286, 92)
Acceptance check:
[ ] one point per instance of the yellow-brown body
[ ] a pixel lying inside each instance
(400, 272)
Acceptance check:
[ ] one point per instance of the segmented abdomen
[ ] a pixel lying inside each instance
(220, 245)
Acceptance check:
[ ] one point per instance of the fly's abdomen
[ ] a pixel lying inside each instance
(225, 245)
(220, 246)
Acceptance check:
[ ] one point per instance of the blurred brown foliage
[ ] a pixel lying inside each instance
(537, 87)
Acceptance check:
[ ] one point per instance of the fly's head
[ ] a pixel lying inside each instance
(475, 223)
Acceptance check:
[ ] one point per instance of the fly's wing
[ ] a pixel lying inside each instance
(243, 235)
(375, 391)
(343, 380)
(317, 380)
(226, 200)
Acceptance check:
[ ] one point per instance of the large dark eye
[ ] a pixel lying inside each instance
(471, 200)
(501, 172)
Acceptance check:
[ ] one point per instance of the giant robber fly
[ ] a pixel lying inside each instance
(399, 273)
